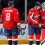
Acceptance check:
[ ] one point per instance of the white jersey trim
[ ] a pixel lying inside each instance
(9, 39)
(37, 40)
(15, 39)
(30, 39)
(31, 16)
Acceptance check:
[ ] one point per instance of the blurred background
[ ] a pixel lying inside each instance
(22, 5)
(19, 4)
(31, 3)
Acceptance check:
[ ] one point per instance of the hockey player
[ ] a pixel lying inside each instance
(33, 20)
(42, 17)
(10, 18)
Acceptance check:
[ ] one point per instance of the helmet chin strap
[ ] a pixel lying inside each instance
(43, 10)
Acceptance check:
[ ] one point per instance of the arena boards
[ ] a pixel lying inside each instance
(22, 37)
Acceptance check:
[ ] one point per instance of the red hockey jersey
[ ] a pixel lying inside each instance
(10, 18)
(33, 15)
(42, 15)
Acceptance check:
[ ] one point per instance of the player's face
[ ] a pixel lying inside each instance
(38, 7)
(43, 8)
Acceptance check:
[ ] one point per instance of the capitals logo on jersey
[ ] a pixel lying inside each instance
(36, 16)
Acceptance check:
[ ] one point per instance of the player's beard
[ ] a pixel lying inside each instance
(36, 8)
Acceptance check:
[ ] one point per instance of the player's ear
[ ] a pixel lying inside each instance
(12, 5)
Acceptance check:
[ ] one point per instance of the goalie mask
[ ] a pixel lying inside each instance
(43, 6)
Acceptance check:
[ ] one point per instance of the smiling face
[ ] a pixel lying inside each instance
(43, 8)
(37, 7)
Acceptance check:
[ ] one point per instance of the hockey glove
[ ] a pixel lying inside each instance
(19, 27)
(34, 22)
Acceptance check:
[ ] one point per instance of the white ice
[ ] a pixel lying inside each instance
(18, 44)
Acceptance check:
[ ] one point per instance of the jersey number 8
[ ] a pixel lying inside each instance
(8, 17)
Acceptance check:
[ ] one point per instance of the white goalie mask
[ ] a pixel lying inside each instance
(43, 6)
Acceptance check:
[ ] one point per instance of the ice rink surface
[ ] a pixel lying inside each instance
(18, 44)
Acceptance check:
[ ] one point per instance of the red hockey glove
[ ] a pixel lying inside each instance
(34, 22)
(19, 28)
